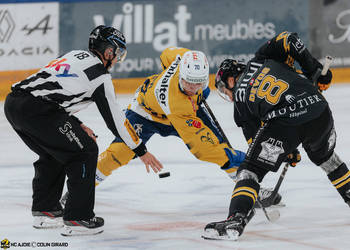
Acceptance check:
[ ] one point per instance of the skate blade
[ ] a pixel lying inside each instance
(279, 205)
(211, 234)
(42, 222)
(80, 231)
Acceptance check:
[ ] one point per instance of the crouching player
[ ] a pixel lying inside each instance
(293, 112)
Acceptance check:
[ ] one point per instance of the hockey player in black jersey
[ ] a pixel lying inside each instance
(40, 109)
(278, 109)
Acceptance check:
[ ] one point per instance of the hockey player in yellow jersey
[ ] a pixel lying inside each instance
(169, 104)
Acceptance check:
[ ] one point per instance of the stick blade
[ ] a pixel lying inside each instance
(273, 215)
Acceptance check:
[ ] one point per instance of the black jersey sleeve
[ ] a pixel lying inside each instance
(100, 99)
(287, 48)
(116, 121)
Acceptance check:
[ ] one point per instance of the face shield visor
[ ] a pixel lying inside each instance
(191, 88)
(119, 48)
(222, 86)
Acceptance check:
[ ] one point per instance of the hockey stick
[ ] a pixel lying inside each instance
(327, 62)
(270, 215)
(269, 201)
(212, 116)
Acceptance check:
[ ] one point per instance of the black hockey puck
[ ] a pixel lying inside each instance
(165, 174)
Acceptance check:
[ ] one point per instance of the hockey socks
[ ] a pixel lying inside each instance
(244, 196)
(340, 179)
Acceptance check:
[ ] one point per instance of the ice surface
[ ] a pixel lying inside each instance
(142, 211)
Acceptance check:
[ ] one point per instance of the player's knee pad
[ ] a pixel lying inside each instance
(331, 164)
(256, 170)
(246, 174)
(116, 155)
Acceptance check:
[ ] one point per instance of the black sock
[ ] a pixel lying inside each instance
(244, 196)
(340, 179)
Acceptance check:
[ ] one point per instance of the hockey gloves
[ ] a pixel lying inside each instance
(293, 158)
(235, 157)
(324, 81)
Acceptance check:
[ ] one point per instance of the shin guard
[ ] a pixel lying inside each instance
(244, 196)
(340, 179)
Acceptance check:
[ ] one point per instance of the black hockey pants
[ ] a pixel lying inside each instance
(64, 148)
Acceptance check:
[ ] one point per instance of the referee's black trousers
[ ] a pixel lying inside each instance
(64, 149)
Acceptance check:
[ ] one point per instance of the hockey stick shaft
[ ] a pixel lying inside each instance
(284, 171)
(271, 198)
(212, 116)
(270, 216)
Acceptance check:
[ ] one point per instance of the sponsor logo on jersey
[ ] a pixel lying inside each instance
(131, 131)
(138, 128)
(290, 98)
(246, 81)
(271, 150)
(194, 123)
(298, 108)
(207, 138)
(58, 64)
(162, 87)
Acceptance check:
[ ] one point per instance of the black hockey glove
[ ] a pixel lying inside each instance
(324, 81)
(293, 158)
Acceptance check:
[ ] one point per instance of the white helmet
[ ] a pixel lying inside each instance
(194, 68)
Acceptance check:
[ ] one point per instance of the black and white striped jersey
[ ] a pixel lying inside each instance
(75, 80)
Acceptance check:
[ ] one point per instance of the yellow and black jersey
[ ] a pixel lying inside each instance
(269, 89)
(169, 55)
(160, 99)
(287, 48)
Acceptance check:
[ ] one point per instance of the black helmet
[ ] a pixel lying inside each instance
(103, 37)
(228, 67)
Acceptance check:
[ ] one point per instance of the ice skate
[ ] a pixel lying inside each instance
(229, 229)
(83, 227)
(47, 220)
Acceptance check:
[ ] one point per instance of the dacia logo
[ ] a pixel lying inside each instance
(5, 244)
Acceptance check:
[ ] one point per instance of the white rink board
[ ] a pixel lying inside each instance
(28, 35)
(142, 211)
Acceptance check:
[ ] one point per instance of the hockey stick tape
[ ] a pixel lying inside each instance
(327, 62)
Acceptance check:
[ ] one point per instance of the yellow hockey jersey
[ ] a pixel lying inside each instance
(160, 99)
